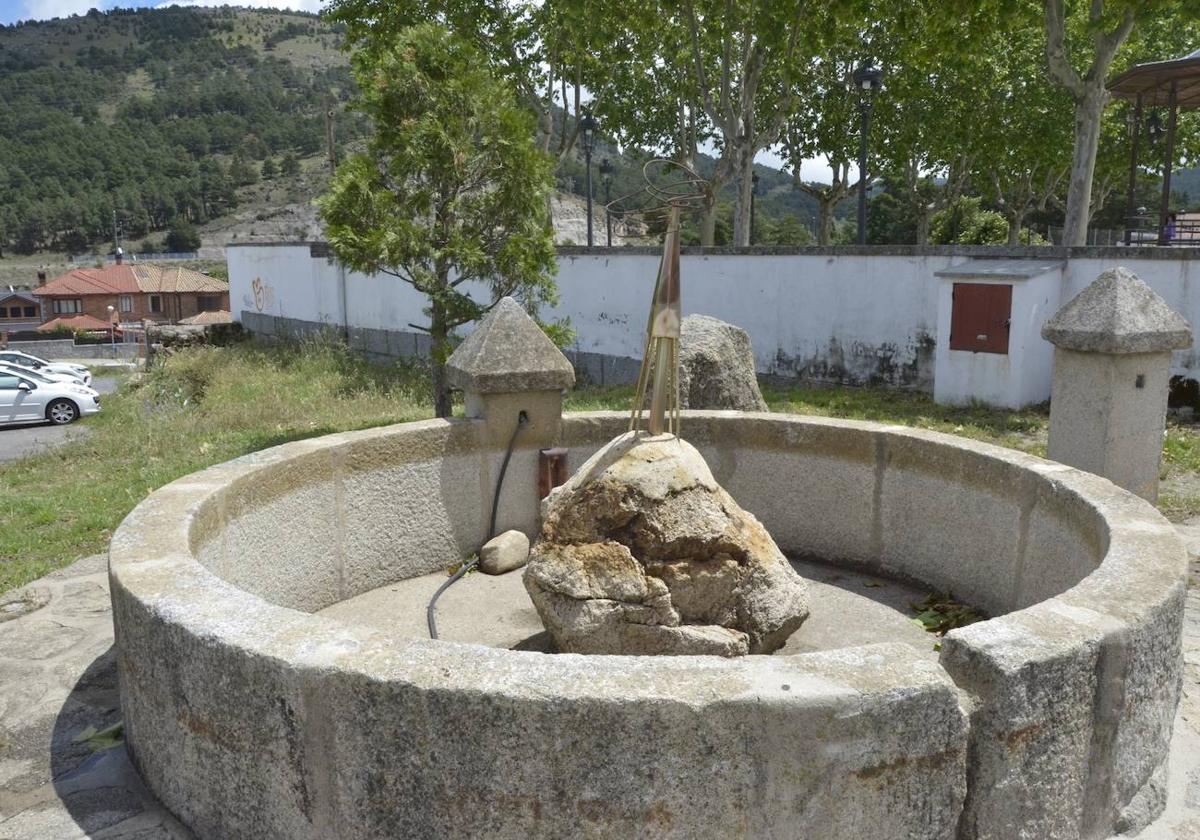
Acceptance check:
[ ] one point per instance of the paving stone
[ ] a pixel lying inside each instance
(83, 598)
(37, 638)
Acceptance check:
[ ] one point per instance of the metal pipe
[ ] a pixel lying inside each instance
(1130, 202)
(865, 108)
(1172, 117)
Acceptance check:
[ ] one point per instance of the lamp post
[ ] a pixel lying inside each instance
(112, 329)
(588, 125)
(606, 176)
(868, 80)
(753, 194)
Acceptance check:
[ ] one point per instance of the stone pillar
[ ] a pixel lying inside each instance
(1112, 371)
(508, 365)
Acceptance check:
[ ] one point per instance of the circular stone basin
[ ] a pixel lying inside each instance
(846, 609)
(251, 713)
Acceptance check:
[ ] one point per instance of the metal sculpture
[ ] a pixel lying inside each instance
(658, 379)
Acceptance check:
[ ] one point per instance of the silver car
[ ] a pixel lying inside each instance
(30, 398)
(17, 357)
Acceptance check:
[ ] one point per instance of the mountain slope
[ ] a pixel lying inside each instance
(155, 114)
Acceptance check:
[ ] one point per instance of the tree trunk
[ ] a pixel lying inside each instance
(825, 220)
(923, 218)
(743, 180)
(1088, 110)
(708, 222)
(440, 351)
(1014, 229)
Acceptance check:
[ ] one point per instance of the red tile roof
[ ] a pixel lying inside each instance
(74, 322)
(129, 279)
(219, 316)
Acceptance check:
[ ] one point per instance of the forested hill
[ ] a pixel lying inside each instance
(158, 114)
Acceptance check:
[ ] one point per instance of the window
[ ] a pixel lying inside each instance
(125, 302)
(8, 383)
(14, 312)
(30, 311)
(209, 303)
(67, 307)
(156, 303)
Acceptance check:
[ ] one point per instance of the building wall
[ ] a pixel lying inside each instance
(836, 315)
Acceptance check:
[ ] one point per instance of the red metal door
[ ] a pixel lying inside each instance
(979, 317)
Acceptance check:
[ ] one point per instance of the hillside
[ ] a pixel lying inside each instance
(150, 117)
(158, 115)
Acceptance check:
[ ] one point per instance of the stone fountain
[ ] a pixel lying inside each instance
(255, 707)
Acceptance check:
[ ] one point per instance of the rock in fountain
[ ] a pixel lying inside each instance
(642, 552)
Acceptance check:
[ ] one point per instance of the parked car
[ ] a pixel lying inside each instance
(21, 370)
(28, 360)
(28, 398)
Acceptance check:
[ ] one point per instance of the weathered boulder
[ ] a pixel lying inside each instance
(716, 366)
(642, 552)
(504, 552)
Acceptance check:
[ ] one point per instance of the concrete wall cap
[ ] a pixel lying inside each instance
(508, 352)
(1118, 313)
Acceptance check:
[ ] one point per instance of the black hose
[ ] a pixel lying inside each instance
(522, 419)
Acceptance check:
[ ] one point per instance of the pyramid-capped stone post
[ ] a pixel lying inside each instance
(508, 365)
(1112, 372)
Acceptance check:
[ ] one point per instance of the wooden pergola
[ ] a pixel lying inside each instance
(1172, 84)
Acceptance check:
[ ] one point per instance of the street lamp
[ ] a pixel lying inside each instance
(588, 126)
(1154, 128)
(112, 329)
(753, 193)
(606, 176)
(867, 80)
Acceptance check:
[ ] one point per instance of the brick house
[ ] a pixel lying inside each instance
(136, 292)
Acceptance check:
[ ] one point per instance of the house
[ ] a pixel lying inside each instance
(136, 293)
(19, 311)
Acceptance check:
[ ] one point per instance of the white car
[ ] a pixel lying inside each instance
(30, 397)
(21, 370)
(16, 357)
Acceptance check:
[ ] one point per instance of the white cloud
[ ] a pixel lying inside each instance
(46, 9)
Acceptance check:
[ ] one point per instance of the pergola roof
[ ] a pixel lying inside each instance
(1153, 82)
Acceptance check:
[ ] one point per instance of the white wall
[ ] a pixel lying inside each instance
(813, 314)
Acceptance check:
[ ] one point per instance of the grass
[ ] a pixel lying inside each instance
(206, 405)
(201, 407)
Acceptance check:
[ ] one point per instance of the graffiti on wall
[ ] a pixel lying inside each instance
(262, 296)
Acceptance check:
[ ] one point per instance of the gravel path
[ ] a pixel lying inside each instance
(57, 679)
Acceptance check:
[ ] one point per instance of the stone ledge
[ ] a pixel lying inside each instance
(207, 667)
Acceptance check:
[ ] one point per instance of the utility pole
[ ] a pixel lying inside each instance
(329, 135)
(116, 237)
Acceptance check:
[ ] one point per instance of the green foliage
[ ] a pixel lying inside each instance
(290, 165)
(451, 188)
(269, 169)
(182, 237)
(965, 222)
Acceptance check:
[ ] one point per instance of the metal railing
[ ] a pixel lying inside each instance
(132, 258)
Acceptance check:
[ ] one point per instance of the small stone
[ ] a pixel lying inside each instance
(716, 366)
(504, 553)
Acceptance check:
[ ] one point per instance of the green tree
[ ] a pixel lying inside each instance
(451, 189)
(269, 169)
(290, 165)
(182, 237)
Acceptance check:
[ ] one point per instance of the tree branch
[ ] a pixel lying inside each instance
(1057, 62)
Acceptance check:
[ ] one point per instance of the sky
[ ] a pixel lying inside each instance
(14, 10)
